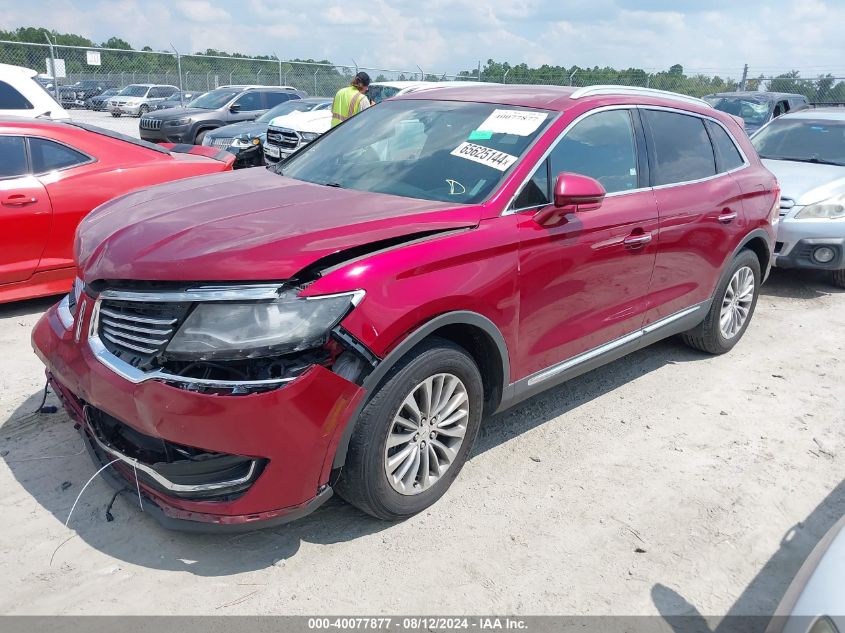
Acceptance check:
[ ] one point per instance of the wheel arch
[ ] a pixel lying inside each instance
(477, 334)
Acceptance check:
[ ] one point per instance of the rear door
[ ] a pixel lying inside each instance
(700, 211)
(584, 281)
(25, 212)
(62, 170)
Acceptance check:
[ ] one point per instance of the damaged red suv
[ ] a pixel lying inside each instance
(241, 345)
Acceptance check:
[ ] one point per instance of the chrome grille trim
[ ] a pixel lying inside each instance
(148, 320)
(132, 328)
(137, 348)
(150, 124)
(222, 142)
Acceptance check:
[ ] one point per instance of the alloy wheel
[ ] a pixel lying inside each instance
(736, 304)
(426, 434)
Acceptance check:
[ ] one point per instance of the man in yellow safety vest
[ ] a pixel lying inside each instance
(351, 100)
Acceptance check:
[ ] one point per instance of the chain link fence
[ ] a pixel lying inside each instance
(118, 68)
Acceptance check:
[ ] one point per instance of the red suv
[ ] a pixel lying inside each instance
(242, 344)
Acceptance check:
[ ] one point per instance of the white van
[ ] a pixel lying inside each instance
(22, 95)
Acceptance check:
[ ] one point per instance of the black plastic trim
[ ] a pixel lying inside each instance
(460, 317)
(801, 254)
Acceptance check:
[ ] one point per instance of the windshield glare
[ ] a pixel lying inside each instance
(432, 150)
(802, 140)
(754, 113)
(134, 91)
(294, 105)
(214, 99)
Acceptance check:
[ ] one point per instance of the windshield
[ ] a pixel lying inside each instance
(294, 105)
(134, 91)
(807, 140)
(432, 150)
(214, 99)
(378, 93)
(754, 113)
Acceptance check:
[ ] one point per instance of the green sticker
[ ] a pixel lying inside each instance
(480, 135)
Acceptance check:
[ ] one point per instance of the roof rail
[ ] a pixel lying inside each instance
(592, 91)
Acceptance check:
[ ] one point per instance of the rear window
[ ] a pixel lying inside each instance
(727, 154)
(49, 156)
(681, 147)
(118, 136)
(11, 99)
(12, 156)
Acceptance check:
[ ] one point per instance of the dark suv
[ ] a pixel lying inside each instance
(238, 346)
(219, 107)
(757, 108)
(75, 95)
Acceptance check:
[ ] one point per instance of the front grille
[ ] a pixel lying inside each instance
(136, 332)
(150, 124)
(222, 142)
(284, 138)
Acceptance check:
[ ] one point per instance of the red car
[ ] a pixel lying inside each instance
(248, 343)
(52, 174)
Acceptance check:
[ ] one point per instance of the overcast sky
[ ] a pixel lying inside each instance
(445, 36)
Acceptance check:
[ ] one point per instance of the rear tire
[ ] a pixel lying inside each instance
(438, 378)
(837, 278)
(732, 308)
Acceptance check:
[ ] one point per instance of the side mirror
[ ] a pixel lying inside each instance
(234, 108)
(573, 193)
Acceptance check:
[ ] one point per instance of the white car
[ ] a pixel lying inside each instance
(805, 150)
(291, 132)
(22, 95)
(138, 99)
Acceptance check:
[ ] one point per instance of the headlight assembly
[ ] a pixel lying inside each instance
(177, 122)
(307, 137)
(236, 330)
(244, 141)
(830, 209)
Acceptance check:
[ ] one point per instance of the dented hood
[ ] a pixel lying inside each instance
(248, 225)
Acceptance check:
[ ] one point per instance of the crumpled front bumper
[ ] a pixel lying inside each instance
(292, 430)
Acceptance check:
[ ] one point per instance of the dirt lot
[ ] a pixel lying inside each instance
(664, 482)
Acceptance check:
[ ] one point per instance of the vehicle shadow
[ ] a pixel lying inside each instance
(27, 307)
(798, 284)
(762, 595)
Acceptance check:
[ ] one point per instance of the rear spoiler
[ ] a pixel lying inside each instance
(213, 153)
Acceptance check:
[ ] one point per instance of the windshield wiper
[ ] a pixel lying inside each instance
(333, 184)
(811, 159)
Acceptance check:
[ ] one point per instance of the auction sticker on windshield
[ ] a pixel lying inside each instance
(484, 155)
(519, 122)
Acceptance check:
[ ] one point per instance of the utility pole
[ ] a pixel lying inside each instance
(505, 76)
(279, 59)
(572, 76)
(178, 70)
(53, 69)
(479, 70)
(744, 77)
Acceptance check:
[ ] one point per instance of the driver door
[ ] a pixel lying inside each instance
(584, 281)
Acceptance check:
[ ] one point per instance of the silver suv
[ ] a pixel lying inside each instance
(138, 99)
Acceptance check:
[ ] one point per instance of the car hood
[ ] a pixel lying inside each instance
(318, 121)
(807, 183)
(236, 129)
(177, 113)
(248, 225)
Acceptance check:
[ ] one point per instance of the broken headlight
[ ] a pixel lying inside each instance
(230, 331)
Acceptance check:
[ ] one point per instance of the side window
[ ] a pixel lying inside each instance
(727, 155)
(12, 157)
(780, 108)
(681, 147)
(535, 192)
(47, 156)
(275, 98)
(250, 101)
(601, 146)
(155, 93)
(168, 91)
(11, 99)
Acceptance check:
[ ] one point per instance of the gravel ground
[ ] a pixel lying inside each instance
(665, 482)
(124, 124)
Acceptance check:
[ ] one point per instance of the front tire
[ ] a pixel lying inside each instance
(144, 109)
(414, 435)
(199, 138)
(837, 278)
(732, 308)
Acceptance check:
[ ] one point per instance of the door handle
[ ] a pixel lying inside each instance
(18, 200)
(727, 216)
(637, 240)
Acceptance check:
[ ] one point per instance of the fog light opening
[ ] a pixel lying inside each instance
(824, 254)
